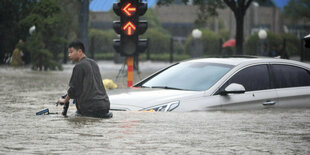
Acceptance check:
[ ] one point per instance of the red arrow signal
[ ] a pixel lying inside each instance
(127, 9)
(129, 27)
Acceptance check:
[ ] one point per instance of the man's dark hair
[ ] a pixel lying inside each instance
(77, 45)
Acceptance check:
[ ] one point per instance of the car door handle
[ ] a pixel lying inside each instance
(269, 103)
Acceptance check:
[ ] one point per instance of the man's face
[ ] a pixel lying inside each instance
(74, 54)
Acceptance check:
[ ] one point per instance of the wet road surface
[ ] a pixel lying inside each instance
(24, 92)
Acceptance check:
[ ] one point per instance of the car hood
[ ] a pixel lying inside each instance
(140, 98)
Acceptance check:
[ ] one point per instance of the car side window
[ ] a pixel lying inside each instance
(252, 78)
(286, 76)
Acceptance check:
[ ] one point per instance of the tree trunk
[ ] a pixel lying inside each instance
(239, 8)
(239, 33)
(83, 34)
(2, 58)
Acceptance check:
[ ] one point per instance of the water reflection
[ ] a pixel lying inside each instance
(79, 122)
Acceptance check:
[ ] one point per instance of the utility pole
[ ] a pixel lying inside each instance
(83, 20)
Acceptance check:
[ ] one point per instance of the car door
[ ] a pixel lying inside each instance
(258, 93)
(292, 84)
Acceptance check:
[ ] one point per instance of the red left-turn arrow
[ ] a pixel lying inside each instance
(128, 10)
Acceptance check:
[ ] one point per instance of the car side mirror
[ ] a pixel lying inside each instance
(233, 88)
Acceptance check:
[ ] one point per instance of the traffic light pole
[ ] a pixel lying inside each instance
(129, 27)
(129, 71)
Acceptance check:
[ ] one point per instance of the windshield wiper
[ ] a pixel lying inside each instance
(166, 87)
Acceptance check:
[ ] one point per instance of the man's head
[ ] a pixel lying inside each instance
(76, 51)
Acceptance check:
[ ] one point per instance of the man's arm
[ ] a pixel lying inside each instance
(65, 101)
(76, 82)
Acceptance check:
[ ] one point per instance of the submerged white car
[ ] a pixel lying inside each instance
(219, 84)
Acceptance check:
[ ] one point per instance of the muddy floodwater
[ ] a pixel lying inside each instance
(24, 92)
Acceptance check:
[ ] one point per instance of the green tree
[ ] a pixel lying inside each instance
(70, 11)
(41, 57)
(298, 9)
(11, 12)
(208, 7)
(49, 36)
(239, 8)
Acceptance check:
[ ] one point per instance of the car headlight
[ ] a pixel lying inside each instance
(163, 107)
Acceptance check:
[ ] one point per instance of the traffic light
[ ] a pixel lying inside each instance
(130, 27)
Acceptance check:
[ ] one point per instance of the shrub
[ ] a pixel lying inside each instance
(274, 43)
(210, 41)
(292, 44)
(159, 40)
(102, 40)
(251, 45)
(165, 57)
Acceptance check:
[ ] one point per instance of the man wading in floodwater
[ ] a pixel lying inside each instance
(86, 85)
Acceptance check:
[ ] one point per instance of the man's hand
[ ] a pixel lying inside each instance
(61, 101)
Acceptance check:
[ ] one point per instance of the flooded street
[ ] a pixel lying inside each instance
(24, 92)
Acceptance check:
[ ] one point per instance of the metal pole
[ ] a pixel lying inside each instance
(262, 51)
(65, 54)
(136, 63)
(83, 23)
(220, 47)
(301, 49)
(129, 71)
(148, 57)
(171, 50)
(91, 49)
(284, 54)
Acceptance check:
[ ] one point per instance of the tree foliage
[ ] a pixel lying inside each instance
(208, 8)
(42, 57)
(11, 12)
(50, 36)
(56, 22)
(298, 9)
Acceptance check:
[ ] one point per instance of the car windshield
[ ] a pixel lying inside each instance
(196, 76)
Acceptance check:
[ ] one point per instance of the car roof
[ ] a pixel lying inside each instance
(247, 60)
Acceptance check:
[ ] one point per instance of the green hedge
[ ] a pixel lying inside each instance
(210, 40)
(154, 57)
(159, 40)
(274, 42)
(104, 56)
(102, 40)
(292, 44)
(165, 57)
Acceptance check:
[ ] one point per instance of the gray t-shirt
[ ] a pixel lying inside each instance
(87, 88)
